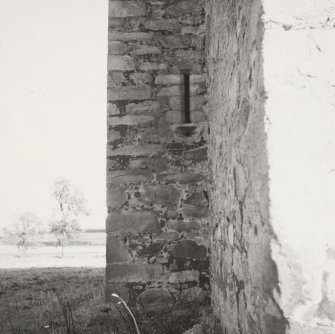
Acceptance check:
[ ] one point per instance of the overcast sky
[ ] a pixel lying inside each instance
(52, 103)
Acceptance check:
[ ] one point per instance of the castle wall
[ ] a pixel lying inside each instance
(157, 225)
(244, 276)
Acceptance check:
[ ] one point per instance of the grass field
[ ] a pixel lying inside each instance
(49, 256)
(71, 300)
(30, 300)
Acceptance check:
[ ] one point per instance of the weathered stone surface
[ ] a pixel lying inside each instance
(184, 276)
(197, 154)
(241, 264)
(167, 24)
(132, 221)
(116, 48)
(135, 150)
(156, 300)
(166, 195)
(116, 196)
(183, 225)
(193, 30)
(142, 106)
(113, 135)
(196, 329)
(131, 120)
(129, 93)
(149, 66)
(170, 91)
(116, 250)
(175, 42)
(198, 116)
(173, 116)
(191, 211)
(129, 36)
(148, 177)
(141, 78)
(133, 272)
(189, 249)
(116, 78)
(189, 56)
(112, 109)
(116, 178)
(168, 79)
(126, 8)
(180, 7)
(196, 102)
(120, 63)
(145, 50)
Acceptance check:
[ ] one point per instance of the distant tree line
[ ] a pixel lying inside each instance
(64, 222)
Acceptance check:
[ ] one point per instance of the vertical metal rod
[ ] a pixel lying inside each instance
(187, 112)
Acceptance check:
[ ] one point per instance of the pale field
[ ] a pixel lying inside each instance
(47, 257)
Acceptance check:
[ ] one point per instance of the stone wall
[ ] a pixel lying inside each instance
(244, 276)
(157, 225)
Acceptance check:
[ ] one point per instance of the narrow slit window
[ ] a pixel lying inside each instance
(187, 111)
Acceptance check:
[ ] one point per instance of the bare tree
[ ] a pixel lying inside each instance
(71, 205)
(25, 231)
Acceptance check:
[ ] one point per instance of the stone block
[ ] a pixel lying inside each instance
(131, 120)
(168, 79)
(150, 66)
(115, 79)
(117, 178)
(189, 56)
(112, 109)
(178, 8)
(185, 177)
(156, 300)
(116, 48)
(197, 30)
(116, 250)
(129, 36)
(133, 222)
(173, 116)
(175, 42)
(183, 225)
(126, 8)
(133, 272)
(198, 116)
(129, 93)
(113, 135)
(240, 181)
(120, 63)
(144, 150)
(196, 329)
(197, 155)
(191, 211)
(189, 249)
(146, 106)
(183, 276)
(170, 91)
(115, 196)
(141, 78)
(197, 78)
(166, 195)
(145, 50)
(162, 24)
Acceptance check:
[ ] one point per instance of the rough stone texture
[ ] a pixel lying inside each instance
(244, 276)
(157, 221)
